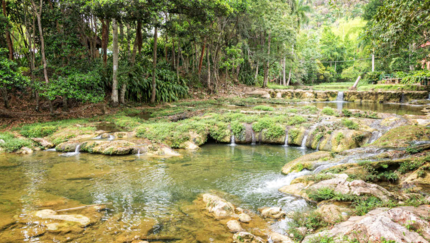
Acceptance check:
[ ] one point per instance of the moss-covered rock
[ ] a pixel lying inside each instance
(348, 139)
(296, 136)
(400, 136)
(305, 162)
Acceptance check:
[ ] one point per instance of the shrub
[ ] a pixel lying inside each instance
(262, 123)
(328, 111)
(274, 131)
(264, 108)
(37, 131)
(350, 124)
(293, 133)
(219, 131)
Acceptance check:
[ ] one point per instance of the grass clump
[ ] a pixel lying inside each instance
(346, 113)
(312, 220)
(350, 124)
(339, 137)
(328, 111)
(219, 131)
(13, 144)
(264, 108)
(310, 109)
(321, 194)
(262, 123)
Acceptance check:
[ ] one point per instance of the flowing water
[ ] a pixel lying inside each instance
(141, 189)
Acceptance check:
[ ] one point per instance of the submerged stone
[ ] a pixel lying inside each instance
(218, 206)
(51, 214)
(273, 212)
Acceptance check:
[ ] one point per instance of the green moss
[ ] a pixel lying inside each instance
(401, 136)
(219, 131)
(262, 123)
(45, 129)
(339, 137)
(293, 133)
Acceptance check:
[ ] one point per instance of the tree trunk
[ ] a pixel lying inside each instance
(289, 78)
(165, 48)
(173, 53)
(266, 66)
(154, 66)
(105, 39)
(256, 73)
(122, 94)
(5, 98)
(209, 70)
(201, 56)
(8, 39)
(283, 72)
(139, 37)
(65, 105)
(115, 63)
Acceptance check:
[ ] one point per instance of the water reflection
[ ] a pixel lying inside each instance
(140, 189)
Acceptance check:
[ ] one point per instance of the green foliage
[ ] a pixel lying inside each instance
(264, 108)
(10, 76)
(321, 194)
(293, 133)
(346, 113)
(339, 137)
(349, 124)
(328, 111)
(296, 120)
(410, 166)
(262, 123)
(12, 144)
(414, 149)
(219, 130)
(274, 131)
(38, 130)
(237, 128)
(311, 220)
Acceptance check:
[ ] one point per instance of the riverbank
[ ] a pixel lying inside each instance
(170, 172)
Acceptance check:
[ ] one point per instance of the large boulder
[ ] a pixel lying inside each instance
(403, 224)
(296, 136)
(45, 143)
(218, 206)
(332, 213)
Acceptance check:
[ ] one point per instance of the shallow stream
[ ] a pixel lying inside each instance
(140, 188)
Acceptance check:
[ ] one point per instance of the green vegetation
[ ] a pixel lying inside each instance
(349, 124)
(339, 137)
(264, 108)
(12, 144)
(311, 220)
(328, 111)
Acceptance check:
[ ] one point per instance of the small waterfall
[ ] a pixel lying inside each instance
(304, 142)
(318, 146)
(286, 139)
(232, 141)
(340, 97)
(375, 136)
(98, 137)
(51, 150)
(138, 152)
(429, 96)
(253, 139)
(111, 137)
(69, 154)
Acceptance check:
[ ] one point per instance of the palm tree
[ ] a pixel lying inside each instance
(299, 9)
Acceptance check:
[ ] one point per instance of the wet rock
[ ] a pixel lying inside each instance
(245, 237)
(420, 176)
(218, 206)
(273, 212)
(296, 136)
(67, 147)
(234, 226)
(398, 224)
(258, 94)
(25, 150)
(2, 141)
(332, 213)
(298, 189)
(244, 218)
(306, 161)
(51, 214)
(45, 143)
(191, 146)
(278, 238)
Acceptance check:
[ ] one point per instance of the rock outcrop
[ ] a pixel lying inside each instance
(218, 206)
(402, 224)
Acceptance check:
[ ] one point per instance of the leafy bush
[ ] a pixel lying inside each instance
(264, 108)
(274, 131)
(296, 120)
(262, 123)
(346, 113)
(339, 137)
(328, 111)
(310, 109)
(350, 124)
(219, 131)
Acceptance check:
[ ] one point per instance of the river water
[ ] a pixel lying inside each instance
(139, 189)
